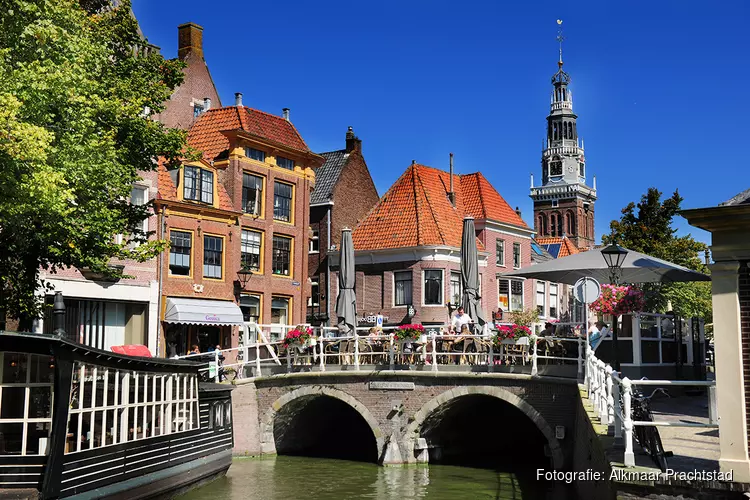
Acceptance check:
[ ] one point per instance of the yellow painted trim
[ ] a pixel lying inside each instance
(221, 163)
(192, 253)
(291, 257)
(181, 184)
(223, 256)
(264, 192)
(262, 247)
(292, 206)
(290, 315)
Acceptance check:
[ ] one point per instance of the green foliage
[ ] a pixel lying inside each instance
(75, 79)
(647, 227)
(527, 317)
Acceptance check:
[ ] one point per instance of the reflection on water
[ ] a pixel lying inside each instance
(283, 478)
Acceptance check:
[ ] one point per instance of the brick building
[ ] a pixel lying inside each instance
(408, 248)
(245, 204)
(344, 193)
(197, 90)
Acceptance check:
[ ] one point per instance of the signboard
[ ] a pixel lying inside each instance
(295, 283)
(212, 369)
(212, 317)
(392, 386)
(411, 312)
(586, 290)
(372, 319)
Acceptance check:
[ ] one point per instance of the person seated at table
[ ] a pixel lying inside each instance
(373, 336)
(549, 330)
(460, 319)
(195, 349)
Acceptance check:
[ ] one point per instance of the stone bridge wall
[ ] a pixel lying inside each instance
(548, 402)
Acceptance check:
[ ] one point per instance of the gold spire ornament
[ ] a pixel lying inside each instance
(560, 39)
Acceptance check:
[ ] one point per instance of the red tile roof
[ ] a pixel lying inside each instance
(205, 134)
(416, 211)
(566, 246)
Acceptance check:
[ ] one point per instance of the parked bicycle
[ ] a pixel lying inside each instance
(648, 435)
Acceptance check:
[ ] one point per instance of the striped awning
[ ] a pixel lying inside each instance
(202, 312)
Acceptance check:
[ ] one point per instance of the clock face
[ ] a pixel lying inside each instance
(570, 168)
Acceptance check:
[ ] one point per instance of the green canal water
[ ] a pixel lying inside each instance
(285, 478)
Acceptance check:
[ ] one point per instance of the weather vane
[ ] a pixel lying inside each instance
(560, 39)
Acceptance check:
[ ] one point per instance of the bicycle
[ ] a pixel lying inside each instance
(648, 435)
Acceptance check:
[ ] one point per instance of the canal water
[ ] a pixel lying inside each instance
(285, 477)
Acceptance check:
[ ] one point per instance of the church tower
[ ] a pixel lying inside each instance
(564, 203)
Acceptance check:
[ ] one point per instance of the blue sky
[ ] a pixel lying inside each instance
(657, 85)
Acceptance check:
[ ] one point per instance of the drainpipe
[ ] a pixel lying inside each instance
(328, 269)
(162, 226)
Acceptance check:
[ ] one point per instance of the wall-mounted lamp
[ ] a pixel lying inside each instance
(244, 275)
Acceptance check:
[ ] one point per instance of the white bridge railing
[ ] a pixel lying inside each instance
(263, 349)
(612, 398)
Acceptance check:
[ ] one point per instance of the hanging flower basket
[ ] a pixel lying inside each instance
(619, 300)
(298, 337)
(409, 332)
(510, 334)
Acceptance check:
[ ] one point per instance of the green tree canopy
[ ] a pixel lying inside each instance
(647, 227)
(76, 85)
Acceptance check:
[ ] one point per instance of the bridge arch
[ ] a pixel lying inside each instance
(414, 429)
(303, 395)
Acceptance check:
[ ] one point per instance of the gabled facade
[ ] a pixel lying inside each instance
(344, 193)
(408, 248)
(243, 206)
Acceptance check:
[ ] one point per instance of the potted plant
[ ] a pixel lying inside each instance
(409, 332)
(510, 334)
(299, 337)
(618, 300)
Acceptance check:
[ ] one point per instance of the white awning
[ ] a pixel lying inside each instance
(202, 312)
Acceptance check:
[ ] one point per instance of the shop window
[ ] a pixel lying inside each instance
(250, 307)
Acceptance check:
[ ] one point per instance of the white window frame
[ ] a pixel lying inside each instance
(556, 298)
(393, 284)
(555, 203)
(520, 255)
(460, 288)
(144, 222)
(510, 294)
(543, 313)
(25, 420)
(310, 300)
(502, 244)
(314, 238)
(424, 288)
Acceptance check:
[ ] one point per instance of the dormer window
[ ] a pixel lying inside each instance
(285, 163)
(255, 154)
(199, 185)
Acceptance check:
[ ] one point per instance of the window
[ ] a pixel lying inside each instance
(279, 316)
(541, 295)
(555, 203)
(139, 197)
(456, 292)
(582, 169)
(250, 307)
(315, 241)
(516, 255)
(510, 295)
(433, 287)
(282, 202)
(500, 252)
(553, 300)
(212, 256)
(26, 382)
(181, 244)
(282, 250)
(255, 154)
(252, 193)
(197, 109)
(199, 185)
(314, 299)
(110, 406)
(250, 249)
(403, 286)
(285, 163)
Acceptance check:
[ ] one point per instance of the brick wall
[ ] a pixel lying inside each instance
(744, 297)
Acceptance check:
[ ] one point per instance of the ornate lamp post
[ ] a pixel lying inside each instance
(614, 255)
(244, 275)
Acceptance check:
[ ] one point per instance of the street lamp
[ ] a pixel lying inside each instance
(244, 275)
(614, 255)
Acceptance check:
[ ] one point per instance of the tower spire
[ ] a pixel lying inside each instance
(560, 39)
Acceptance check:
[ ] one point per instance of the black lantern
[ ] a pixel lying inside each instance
(614, 255)
(244, 275)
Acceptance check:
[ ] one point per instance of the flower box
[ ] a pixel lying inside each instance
(298, 337)
(409, 332)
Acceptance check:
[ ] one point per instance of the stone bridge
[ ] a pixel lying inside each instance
(399, 417)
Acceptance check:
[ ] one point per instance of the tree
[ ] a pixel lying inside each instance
(76, 86)
(647, 227)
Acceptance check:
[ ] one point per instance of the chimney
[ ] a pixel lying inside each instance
(285, 113)
(451, 193)
(352, 141)
(518, 212)
(708, 256)
(189, 40)
(206, 104)
(238, 99)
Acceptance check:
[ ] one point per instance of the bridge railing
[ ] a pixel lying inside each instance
(612, 398)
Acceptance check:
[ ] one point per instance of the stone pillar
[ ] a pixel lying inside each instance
(730, 370)
(246, 420)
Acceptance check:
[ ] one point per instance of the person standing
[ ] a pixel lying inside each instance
(459, 320)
